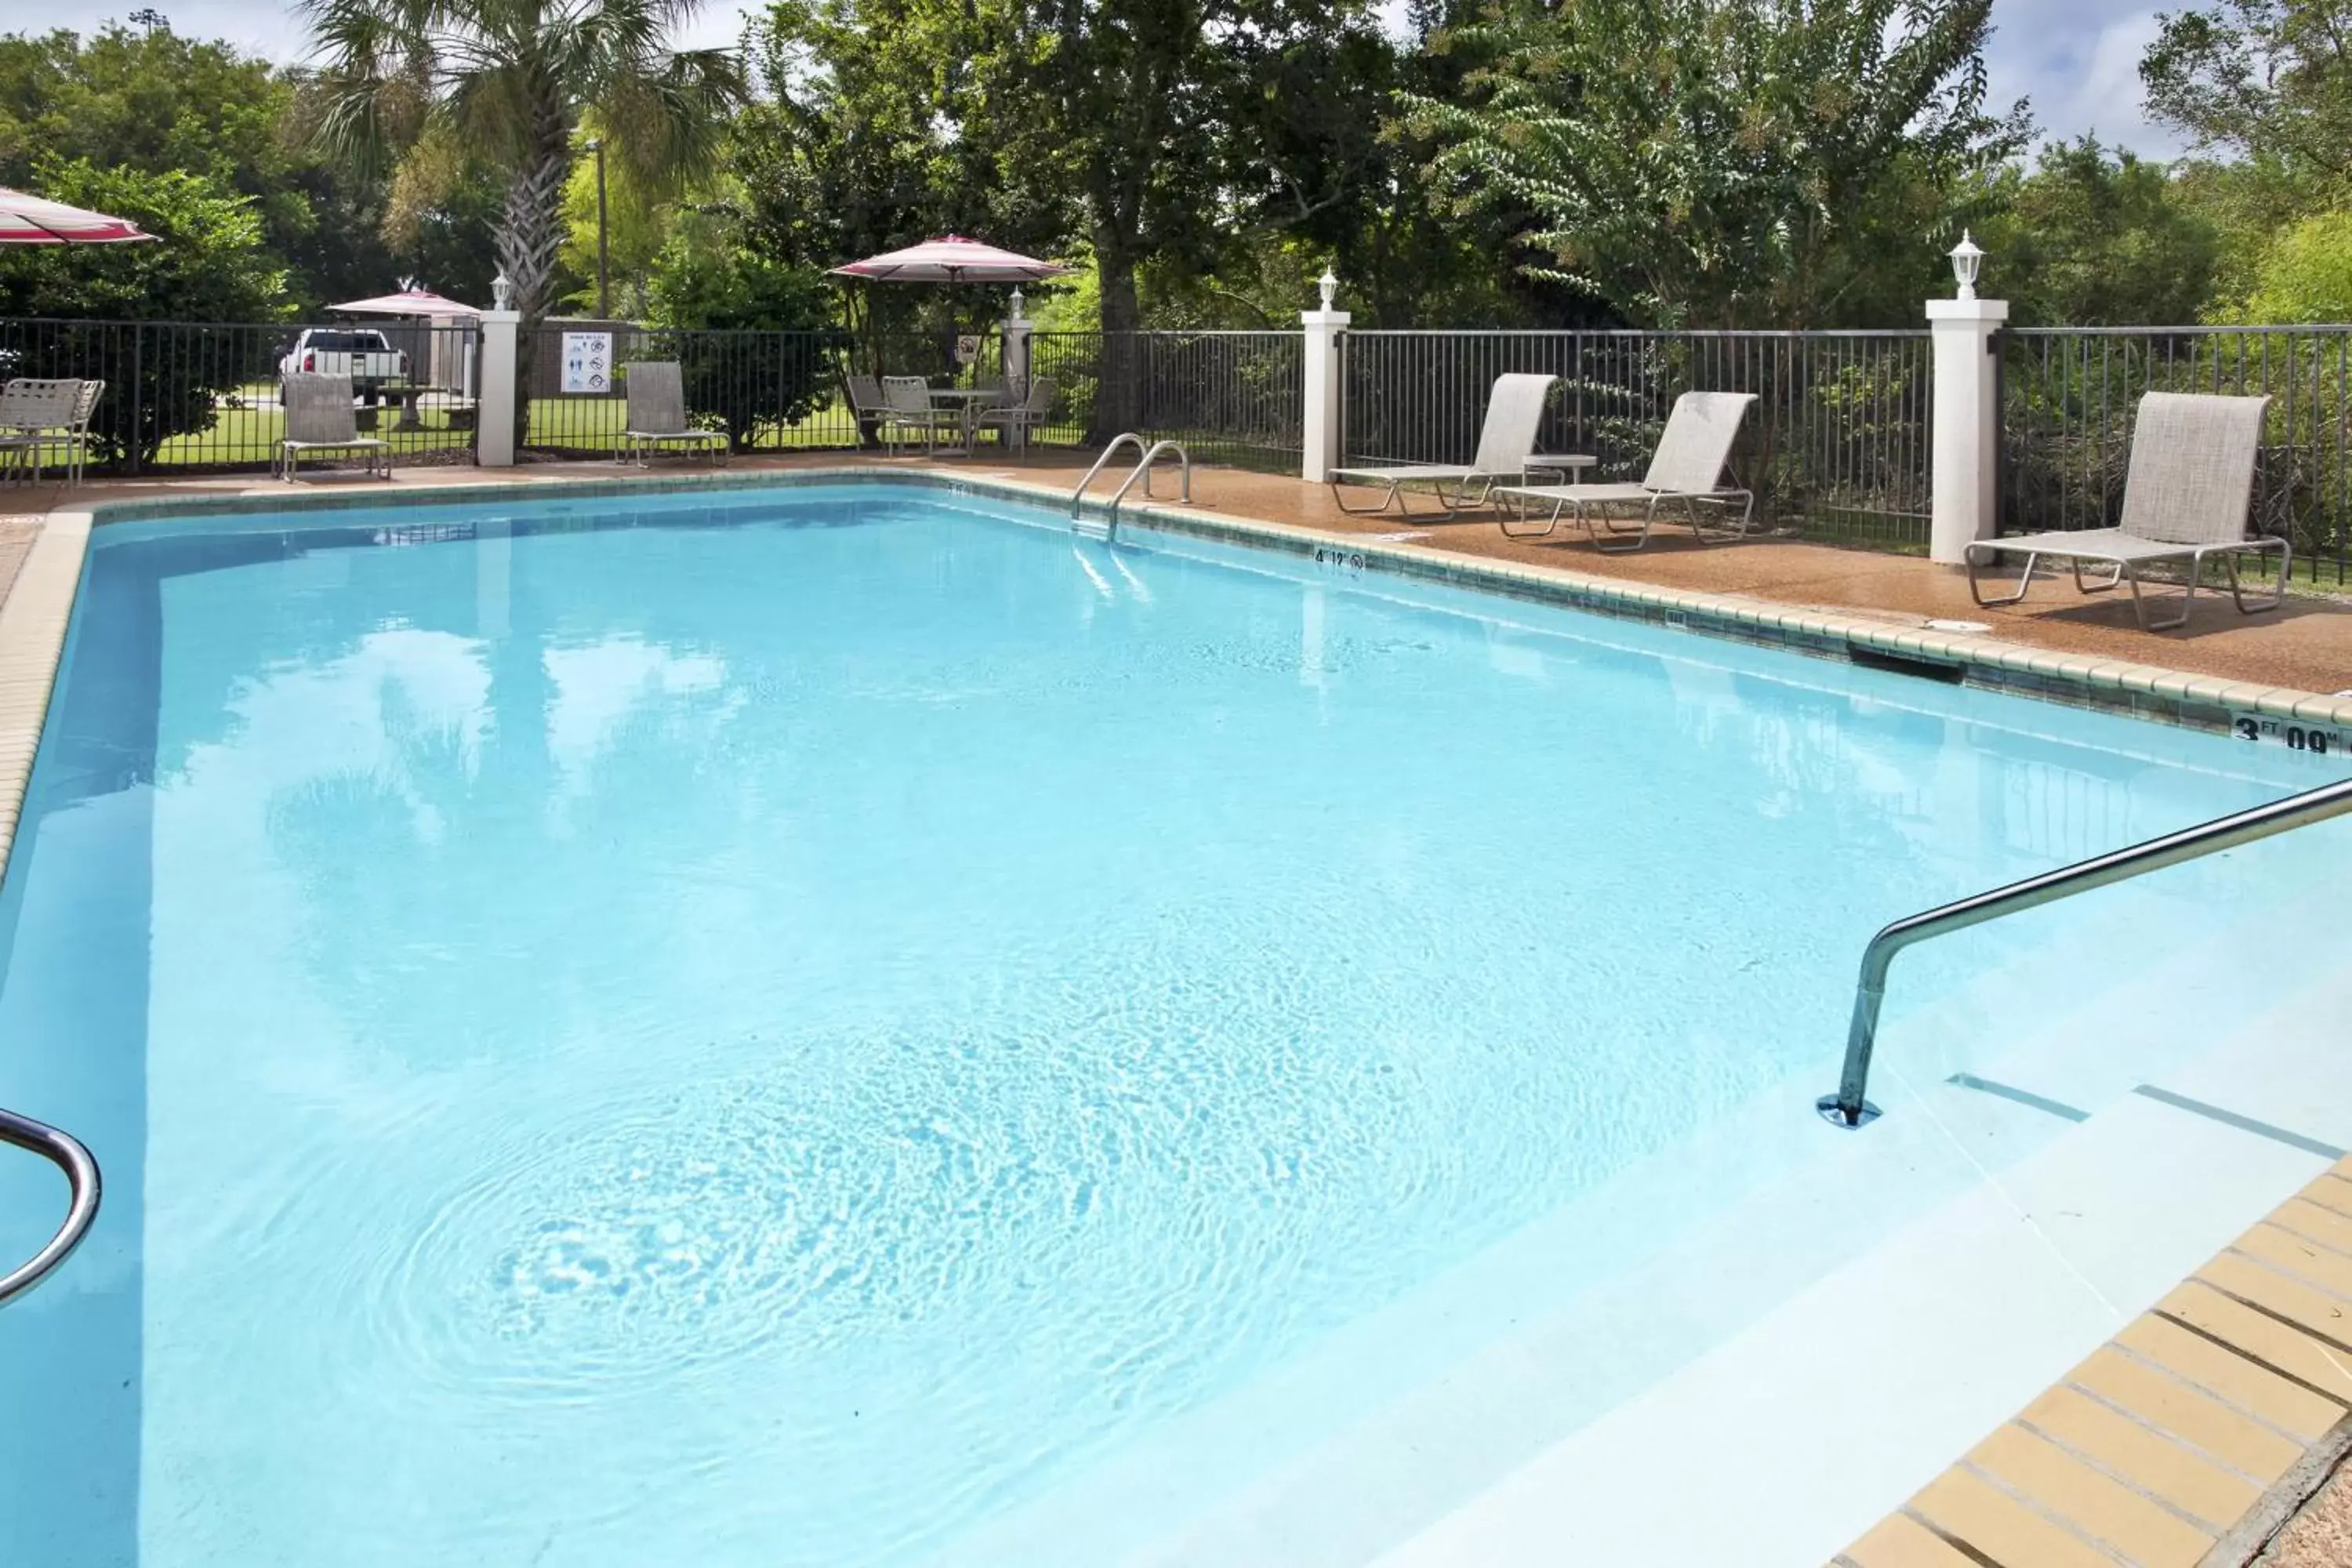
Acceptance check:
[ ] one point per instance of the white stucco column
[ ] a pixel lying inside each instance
(494, 418)
(1966, 452)
(1016, 327)
(1319, 443)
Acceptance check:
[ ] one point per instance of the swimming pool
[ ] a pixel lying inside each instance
(794, 1025)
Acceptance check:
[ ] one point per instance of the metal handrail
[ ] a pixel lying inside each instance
(1143, 470)
(1848, 1108)
(1079, 496)
(68, 1153)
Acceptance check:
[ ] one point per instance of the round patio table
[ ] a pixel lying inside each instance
(970, 397)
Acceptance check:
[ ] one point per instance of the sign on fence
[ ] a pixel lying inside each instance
(588, 361)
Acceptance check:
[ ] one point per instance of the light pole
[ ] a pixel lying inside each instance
(603, 292)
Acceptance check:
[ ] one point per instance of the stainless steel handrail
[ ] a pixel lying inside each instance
(1143, 470)
(1079, 496)
(1849, 1108)
(66, 1153)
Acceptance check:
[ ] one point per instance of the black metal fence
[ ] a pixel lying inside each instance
(1232, 397)
(1837, 450)
(2068, 395)
(190, 396)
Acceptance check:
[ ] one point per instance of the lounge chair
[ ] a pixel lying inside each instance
(907, 405)
(658, 414)
(1513, 411)
(35, 415)
(2186, 496)
(320, 418)
(1687, 466)
(1019, 419)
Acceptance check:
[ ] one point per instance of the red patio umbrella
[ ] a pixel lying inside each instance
(35, 220)
(408, 303)
(951, 258)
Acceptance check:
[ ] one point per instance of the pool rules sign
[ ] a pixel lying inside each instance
(587, 362)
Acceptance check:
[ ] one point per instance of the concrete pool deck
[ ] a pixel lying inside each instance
(2121, 1462)
(2304, 647)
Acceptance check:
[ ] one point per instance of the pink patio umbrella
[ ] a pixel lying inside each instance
(951, 258)
(34, 220)
(408, 302)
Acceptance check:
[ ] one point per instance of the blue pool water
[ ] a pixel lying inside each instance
(777, 1029)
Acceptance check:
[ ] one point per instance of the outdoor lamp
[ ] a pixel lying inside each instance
(502, 293)
(1330, 287)
(1966, 259)
(1018, 302)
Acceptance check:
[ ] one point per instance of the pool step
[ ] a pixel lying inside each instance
(1400, 1421)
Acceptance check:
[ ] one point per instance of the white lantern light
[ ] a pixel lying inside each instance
(1966, 259)
(502, 293)
(1018, 303)
(1330, 285)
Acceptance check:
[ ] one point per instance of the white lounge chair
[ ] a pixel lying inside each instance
(35, 415)
(907, 405)
(1020, 419)
(2186, 496)
(1687, 466)
(320, 418)
(657, 390)
(1513, 409)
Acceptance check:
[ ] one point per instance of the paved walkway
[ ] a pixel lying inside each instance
(2189, 1438)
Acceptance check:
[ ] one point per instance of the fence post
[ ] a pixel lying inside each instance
(1965, 461)
(494, 421)
(139, 398)
(1319, 432)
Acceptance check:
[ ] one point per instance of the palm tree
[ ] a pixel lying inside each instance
(510, 79)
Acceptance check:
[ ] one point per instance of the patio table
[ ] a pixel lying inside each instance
(970, 397)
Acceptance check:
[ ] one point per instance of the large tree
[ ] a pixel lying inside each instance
(2098, 238)
(140, 98)
(2266, 80)
(1727, 162)
(510, 80)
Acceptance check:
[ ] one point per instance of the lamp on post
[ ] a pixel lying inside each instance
(1966, 260)
(603, 292)
(1018, 304)
(501, 292)
(1329, 284)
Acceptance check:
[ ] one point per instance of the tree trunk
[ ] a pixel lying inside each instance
(531, 238)
(1118, 396)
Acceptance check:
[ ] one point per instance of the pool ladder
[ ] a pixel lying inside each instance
(68, 1153)
(1101, 527)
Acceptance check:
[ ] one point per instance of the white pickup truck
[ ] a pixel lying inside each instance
(358, 352)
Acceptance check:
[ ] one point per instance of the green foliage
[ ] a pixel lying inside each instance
(146, 99)
(508, 82)
(2305, 273)
(737, 376)
(2266, 80)
(2090, 239)
(1697, 164)
(212, 265)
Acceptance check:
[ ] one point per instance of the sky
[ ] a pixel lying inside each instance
(2077, 59)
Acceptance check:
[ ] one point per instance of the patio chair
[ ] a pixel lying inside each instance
(1512, 410)
(36, 414)
(320, 418)
(2187, 496)
(907, 405)
(1021, 418)
(1687, 466)
(657, 390)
